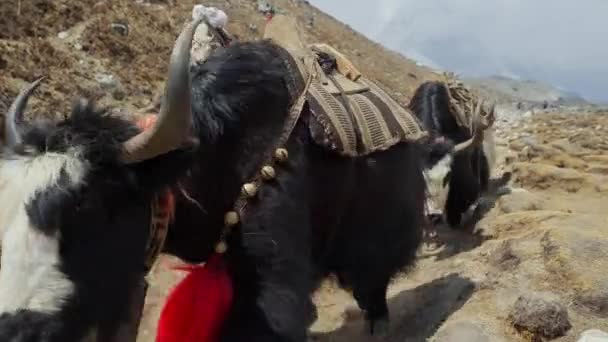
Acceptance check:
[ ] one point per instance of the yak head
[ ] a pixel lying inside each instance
(75, 210)
(442, 152)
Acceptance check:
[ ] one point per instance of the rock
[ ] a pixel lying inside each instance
(118, 94)
(462, 331)
(593, 335)
(504, 258)
(520, 200)
(78, 46)
(63, 35)
(540, 314)
(107, 81)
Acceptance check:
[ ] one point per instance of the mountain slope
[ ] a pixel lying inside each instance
(506, 89)
(75, 44)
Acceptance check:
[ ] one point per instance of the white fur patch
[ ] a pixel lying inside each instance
(489, 149)
(29, 271)
(435, 178)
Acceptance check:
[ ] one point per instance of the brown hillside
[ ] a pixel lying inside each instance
(32, 44)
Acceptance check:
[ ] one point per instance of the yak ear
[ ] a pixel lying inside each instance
(166, 169)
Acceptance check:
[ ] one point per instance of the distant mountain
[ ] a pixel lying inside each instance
(504, 89)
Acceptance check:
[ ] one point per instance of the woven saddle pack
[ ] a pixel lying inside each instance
(463, 101)
(350, 114)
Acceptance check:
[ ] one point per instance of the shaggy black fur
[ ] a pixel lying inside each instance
(470, 171)
(357, 218)
(104, 224)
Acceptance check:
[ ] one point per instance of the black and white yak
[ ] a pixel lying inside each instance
(75, 206)
(456, 182)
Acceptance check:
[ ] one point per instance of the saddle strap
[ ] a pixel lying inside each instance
(293, 116)
(348, 108)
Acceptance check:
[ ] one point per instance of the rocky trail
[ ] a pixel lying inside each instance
(535, 268)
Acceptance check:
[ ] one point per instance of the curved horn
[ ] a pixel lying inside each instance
(174, 119)
(14, 117)
(491, 117)
(479, 128)
(465, 145)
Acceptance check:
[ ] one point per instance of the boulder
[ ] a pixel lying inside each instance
(540, 314)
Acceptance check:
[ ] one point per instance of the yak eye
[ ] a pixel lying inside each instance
(447, 178)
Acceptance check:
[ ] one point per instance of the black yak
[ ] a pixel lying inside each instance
(75, 215)
(456, 182)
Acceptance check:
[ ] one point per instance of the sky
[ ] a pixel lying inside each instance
(560, 42)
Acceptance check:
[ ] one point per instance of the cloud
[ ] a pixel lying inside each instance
(561, 42)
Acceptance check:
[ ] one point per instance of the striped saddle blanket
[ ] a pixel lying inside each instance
(358, 119)
(348, 117)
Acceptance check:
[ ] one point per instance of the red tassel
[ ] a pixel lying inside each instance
(196, 309)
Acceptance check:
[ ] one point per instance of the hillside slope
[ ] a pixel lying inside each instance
(83, 53)
(504, 89)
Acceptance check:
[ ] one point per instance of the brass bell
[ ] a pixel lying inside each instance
(281, 154)
(221, 247)
(249, 189)
(268, 172)
(231, 218)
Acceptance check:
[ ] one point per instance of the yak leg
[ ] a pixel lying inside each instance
(373, 301)
(272, 273)
(382, 231)
(271, 304)
(272, 313)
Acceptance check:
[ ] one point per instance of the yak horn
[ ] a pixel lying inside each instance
(465, 145)
(479, 128)
(174, 119)
(14, 117)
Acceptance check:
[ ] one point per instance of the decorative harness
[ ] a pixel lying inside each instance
(278, 154)
(163, 203)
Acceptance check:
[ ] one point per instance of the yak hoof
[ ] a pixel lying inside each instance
(378, 327)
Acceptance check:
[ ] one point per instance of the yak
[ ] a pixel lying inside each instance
(456, 181)
(75, 215)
